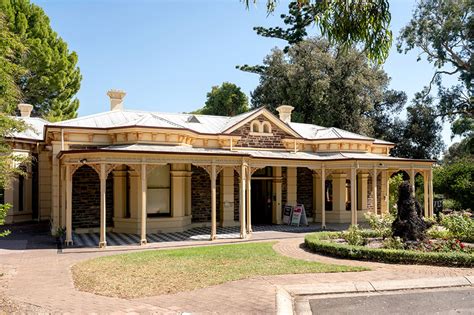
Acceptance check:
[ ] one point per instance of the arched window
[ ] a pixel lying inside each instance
(255, 126)
(267, 128)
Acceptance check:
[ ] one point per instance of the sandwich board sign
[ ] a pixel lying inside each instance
(287, 210)
(299, 215)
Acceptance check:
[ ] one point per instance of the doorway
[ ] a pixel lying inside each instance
(262, 196)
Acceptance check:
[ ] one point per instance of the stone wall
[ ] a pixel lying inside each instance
(201, 195)
(370, 198)
(236, 196)
(86, 199)
(304, 189)
(256, 141)
(284, 194)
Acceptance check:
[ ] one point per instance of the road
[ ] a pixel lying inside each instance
(446, 301)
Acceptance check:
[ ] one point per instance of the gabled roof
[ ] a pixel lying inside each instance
(203, 124)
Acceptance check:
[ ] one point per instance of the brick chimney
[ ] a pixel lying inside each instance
(116, 99)
(285, 113)
(25, 109)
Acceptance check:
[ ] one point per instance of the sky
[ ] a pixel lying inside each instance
(167, 54)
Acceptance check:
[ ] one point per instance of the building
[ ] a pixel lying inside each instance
(144, 172)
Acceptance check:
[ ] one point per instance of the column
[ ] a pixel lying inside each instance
(188, 210)
(412, 181)
(103, 208)
(323, 197)
(243, 233)
(339, 194)
(362, 192)
(387, 196)
(316, 195)
(353, 196)
(291, 185)
(374, 189)
(277, 219)
(430, 202)
(227, 196)
(178, 190)
(425, 194)
(68, 206)
(248, 199)
(120, 187)
(213, 202)
(63, 195)
(143, 216)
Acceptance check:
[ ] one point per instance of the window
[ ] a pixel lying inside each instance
(158, 191)
(328, 195)
(255, 126)
(267, 128)
(21, 185)
(2, 196)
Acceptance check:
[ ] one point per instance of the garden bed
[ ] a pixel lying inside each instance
(328, 243)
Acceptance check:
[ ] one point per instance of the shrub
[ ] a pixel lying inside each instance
(353, 236)
(318, 242)
(438, 231)
(451, 204)
(393, 243)
(3, 213)
(459, 225)
(382, 225)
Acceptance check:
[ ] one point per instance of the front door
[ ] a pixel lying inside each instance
(261, 201)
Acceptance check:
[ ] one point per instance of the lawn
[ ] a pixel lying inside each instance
(158, 272)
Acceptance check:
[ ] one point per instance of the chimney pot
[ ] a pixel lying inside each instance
(25, 109)
(116, 99)
(285, 113)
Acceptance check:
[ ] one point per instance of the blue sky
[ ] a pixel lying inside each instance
(167, 54)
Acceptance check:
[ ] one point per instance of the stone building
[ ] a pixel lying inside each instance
(144, 172)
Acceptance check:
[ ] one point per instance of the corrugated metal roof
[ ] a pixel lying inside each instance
(35, 130)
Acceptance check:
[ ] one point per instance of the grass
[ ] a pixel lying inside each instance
(158, 272)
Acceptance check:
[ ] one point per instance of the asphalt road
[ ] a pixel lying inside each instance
(447, 301)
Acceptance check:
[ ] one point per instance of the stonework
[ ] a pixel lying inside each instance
(273, 141)
(201, 195)
(304, 189)
(86, 199)
(284, 194)
(236, 196)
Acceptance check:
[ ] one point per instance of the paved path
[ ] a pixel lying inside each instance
(41, 278)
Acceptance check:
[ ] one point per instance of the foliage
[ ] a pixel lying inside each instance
(393, 243)
(451, 204)
(456, 181)
(442, 30)
(11, 49)
(9, 161)
(52, 78)
(353, 236)
(409, 223)
(459, 225)
(394, 182)
(438, 231)
(344, 22)
(382, 225)
(3, 213)
(318, 242)
(417, 137)
(326, 86)
(185, 269)
(447, 245)
(225, 100)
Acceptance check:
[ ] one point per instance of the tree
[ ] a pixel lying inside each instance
(417, 137)
(52, 78)
(456, 181)
(443, 30)
(225, 100)
(344, 22)
(326, 85)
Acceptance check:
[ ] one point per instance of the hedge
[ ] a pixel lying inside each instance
(319, 242)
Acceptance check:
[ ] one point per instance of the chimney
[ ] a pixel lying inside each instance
(25, 109)
(285, 113)
(116, 99)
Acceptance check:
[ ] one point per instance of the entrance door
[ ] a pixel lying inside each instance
(261, 201)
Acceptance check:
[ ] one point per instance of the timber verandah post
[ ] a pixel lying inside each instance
(354, 195)
(143, 178)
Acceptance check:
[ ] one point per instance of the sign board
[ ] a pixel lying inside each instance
(299, 215)
(287, 210)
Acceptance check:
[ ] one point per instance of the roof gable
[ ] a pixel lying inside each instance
(267, 115)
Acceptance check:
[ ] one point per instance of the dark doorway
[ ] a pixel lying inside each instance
(261, 201)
